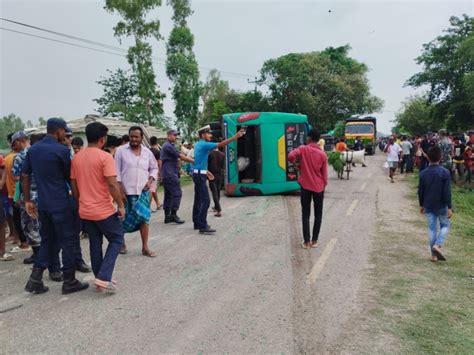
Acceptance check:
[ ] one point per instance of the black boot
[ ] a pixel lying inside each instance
(175, 217)
(35, 283)
(168, 217)
(71, 284)
(32, 258)
(83, 267)
(56, 276)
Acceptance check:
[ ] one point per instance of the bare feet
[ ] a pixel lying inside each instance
(314, 244)
(306, 245)
(434, 259)
(149, 253)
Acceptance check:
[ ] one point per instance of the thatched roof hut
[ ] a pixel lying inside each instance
(117, 127)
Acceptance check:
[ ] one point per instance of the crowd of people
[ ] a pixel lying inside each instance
(441, 159)
(405, 153)
(56, 189)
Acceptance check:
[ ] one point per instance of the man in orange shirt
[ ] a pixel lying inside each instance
(18, 144)
(94, 185)
(341, 146)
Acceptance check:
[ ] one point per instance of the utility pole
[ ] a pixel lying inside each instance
(253, 82)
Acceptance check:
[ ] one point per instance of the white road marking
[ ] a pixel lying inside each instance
(364, 185)
(319, 265)
(352, 207)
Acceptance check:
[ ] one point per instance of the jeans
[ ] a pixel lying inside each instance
(111, 227)
(201, 201)
(58, 231)
(216, 186)
(173, 193)
(433, 218)
(306, 197)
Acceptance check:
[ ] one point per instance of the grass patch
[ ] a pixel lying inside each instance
(428, 308)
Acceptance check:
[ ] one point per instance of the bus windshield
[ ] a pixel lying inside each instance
(360, 128)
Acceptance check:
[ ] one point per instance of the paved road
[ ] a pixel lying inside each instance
(249, 288)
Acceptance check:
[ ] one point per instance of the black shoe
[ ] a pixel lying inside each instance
(29, 260)
(175, 217)
(207, 231)
(168, 217)
(197, 228)
(56, 276)
(35, 283)
(83, 267)
(71, 284)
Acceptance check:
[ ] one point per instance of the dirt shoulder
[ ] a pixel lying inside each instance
(408, 304)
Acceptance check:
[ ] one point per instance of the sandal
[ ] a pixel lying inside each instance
(314, 244)
(7, 257)
(123, 250)
(149, 253)
(437, 251)
(105, 286)
(305, 246)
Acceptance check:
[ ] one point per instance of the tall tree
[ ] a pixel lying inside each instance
(448, 64)
(327, 86)
(417, 116)
(134, 14)
(182, 69)
(120, 97)
(9, 124)
(218, 98)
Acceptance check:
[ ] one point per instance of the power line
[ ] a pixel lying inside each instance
(59, 41)
(103, 45)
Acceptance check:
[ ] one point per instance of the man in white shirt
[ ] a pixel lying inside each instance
(393, 151)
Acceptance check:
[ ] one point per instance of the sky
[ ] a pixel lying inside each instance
(40, 78)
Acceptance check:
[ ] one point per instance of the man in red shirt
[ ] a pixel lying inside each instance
(313, 166)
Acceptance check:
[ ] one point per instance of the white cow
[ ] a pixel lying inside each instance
(357, 157)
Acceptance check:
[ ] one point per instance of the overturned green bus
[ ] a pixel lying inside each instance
(257, 163)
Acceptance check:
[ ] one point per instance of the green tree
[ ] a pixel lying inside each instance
(120, 97)
(339, 129)
(448, 64)
(327, 86)
(182, 69)
(416, 116)
(134, 13)
(218, 98)
(41, 121)
(9, 124)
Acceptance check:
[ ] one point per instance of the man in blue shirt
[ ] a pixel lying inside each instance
(434, 194)
(49, 161)
(169, 172)
(201, 192)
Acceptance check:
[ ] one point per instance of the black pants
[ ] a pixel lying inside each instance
(306, 197)
(201, 201)
(406, 164)
(59, 231)
(17, 223)
(173, 193)
(216, 186)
